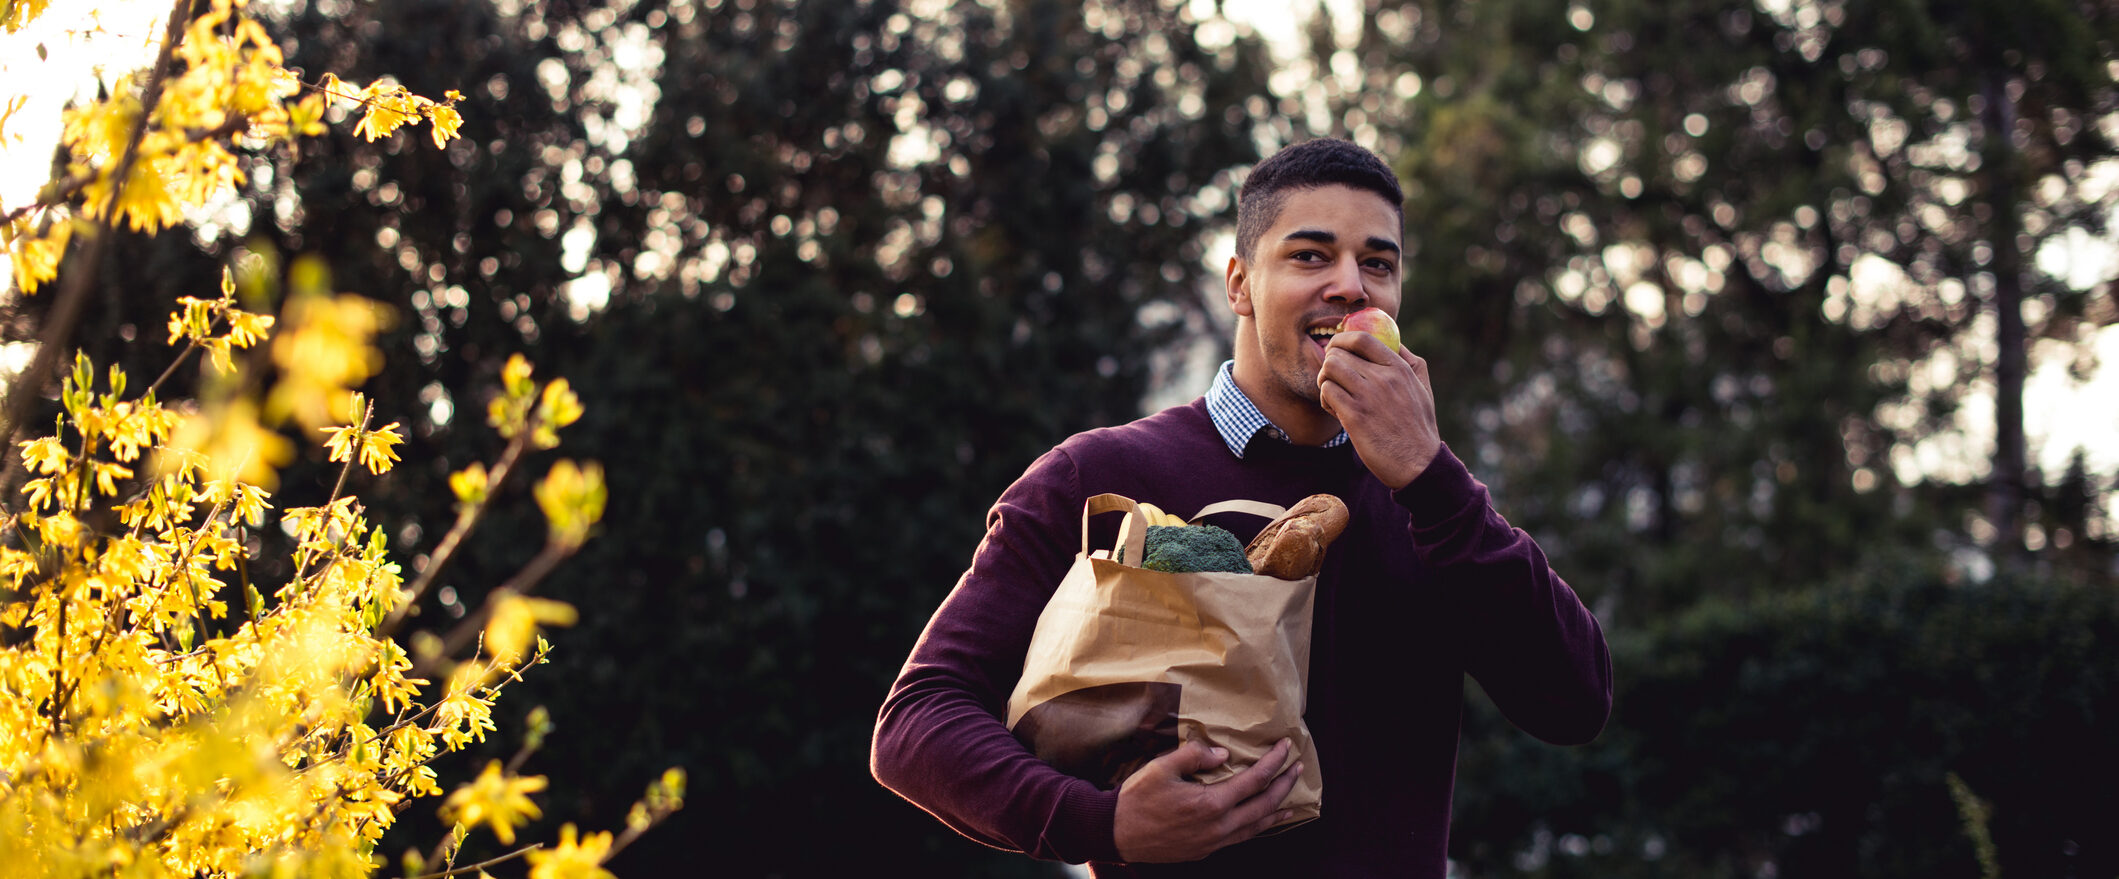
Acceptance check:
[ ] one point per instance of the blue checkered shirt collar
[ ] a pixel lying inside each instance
(1238, 419)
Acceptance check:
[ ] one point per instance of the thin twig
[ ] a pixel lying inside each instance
(353, 454)
(520, 584)
(527, 578)
(465, 521)
(492, 692)
(441, 845)
(60, 191)
(172, 368)
(59, 694)
(301, 572)
(64, 190)
(371, 102)
(627, 838)
(522, 755)
(483, 864)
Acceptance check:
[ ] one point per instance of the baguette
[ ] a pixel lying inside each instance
(1292, 547)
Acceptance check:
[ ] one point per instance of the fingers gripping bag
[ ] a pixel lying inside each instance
(1126, 663)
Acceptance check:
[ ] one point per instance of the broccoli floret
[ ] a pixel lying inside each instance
(1194, 548)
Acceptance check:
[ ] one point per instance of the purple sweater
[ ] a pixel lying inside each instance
(1425, 585)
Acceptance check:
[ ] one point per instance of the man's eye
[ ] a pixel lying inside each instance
(1382, 265)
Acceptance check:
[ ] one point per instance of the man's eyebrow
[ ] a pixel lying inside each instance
(1325, 236)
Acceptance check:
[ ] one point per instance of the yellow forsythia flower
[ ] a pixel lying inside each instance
(389, 107)
(557, 407)
(572, 497)
(469, 484)
(246, 329)
(324, 349)
(16, 13)
(377, 448)
(374, 447)
(500, 801)
(235, 445)
(36, 256)
(45, 455)
(462, 716)
(573, 858)
(515, 376)
(446, 120)
(515, 619)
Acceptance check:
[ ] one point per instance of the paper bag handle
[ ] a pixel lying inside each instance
(1132, 537)
(1133, 531)
(1261, 509)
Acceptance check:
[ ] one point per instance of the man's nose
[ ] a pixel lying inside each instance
(1345, 283)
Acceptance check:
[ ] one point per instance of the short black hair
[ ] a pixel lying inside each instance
(1324, 161)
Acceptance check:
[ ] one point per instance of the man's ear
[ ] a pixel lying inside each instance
(1237, 280)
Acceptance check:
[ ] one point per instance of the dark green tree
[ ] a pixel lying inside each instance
(1817, 731)
(827, 276)
(1699, 281)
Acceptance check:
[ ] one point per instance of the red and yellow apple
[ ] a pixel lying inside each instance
(1375, 322)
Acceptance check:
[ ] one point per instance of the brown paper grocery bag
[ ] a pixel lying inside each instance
(1126, 663)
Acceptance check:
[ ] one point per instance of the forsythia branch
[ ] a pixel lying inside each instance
(367, 413)
(312, 652)
(474, 624)
(466, 518)
(136, 731)
(481, 865)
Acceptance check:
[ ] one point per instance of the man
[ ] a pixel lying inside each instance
(1427, 584)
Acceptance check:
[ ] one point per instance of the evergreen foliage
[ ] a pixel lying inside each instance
(1708, 286)
(1817, 731)
(1705, 289)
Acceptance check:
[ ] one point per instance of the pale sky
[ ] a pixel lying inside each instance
(117, 35)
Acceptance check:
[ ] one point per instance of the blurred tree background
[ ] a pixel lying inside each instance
(1712, 292)
(1735, 306)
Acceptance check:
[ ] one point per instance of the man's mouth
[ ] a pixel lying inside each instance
(1324, 334)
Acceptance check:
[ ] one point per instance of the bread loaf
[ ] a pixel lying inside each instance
(1292, 547)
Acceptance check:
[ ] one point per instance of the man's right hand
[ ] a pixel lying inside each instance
(1164, 816)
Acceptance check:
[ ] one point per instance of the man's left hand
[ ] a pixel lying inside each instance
(1386, 404)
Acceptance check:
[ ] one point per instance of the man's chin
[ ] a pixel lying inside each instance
(1305, 388)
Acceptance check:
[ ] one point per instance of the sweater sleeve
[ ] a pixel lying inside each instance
(940, 740)
(1528, 639)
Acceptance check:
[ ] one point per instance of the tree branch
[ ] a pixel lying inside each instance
(469, 629)
(467, 868)
(465, 521)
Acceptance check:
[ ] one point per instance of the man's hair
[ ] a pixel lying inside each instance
(1324, 161)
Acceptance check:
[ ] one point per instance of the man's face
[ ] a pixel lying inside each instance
(1333, 250)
